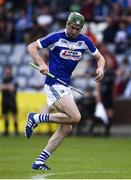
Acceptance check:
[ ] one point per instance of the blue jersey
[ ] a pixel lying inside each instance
(64, 53)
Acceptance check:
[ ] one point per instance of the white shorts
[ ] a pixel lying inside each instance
(55, 92)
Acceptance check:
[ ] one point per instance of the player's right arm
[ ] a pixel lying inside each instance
(45, 42)
(33, 50)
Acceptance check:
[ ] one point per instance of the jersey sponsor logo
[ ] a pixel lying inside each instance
(72, 55)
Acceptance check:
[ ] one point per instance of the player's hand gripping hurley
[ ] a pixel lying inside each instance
(59, 80)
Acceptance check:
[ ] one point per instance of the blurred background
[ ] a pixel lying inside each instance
(106, 107)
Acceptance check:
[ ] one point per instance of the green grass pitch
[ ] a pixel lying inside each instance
(76, 158)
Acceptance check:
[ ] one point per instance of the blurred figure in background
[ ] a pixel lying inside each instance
(9, 105)
(106, 92)
(110, 31)
(87, 9)
(100, 11)
(127, 91)
(121, 39)
(122, 77)
(105, 95)
(91, 36)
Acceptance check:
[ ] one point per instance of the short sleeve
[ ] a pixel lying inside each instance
(47, 40)
(90, 46)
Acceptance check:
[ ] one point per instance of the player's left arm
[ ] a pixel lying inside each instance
(100, 66)
(98, 56)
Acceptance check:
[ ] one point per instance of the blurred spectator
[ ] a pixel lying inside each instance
(36, 32)
(75, 6)
(41, 6)
(2, 2)
(9, 15)
(116, 10)
(110, 32)
(122, 76)
(2, 12)
(128, 30)
(61, 9)
(106, 92)
(9, 104)
(103, 48)
(44, 20)
(125, 3)
(2, 31)
(9, 33)
(2, 16)
(125, 67)
(127, 91)
(100, 11)
(17, 4)
(87, 9)
(119, 82)
(121, 39)
(23, 24)
(30, 7)
(90, 35)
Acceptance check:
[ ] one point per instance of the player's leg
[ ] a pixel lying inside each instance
(62, 131)
(65, 104)
(69, 114)
(46, 109)
(56, 139)
(5, 110)
(15, 123)
(110, 113)
(6, 124)
(13, 109)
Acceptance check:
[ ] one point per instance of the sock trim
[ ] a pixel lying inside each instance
(47, 152)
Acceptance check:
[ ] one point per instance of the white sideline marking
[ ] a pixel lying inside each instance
(44, 176)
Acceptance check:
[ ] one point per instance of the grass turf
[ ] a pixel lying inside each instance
(76, 158)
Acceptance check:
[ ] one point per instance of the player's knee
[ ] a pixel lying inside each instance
(76, 118)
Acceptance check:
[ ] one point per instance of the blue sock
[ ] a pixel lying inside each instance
(41, 118)
(42, 157)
